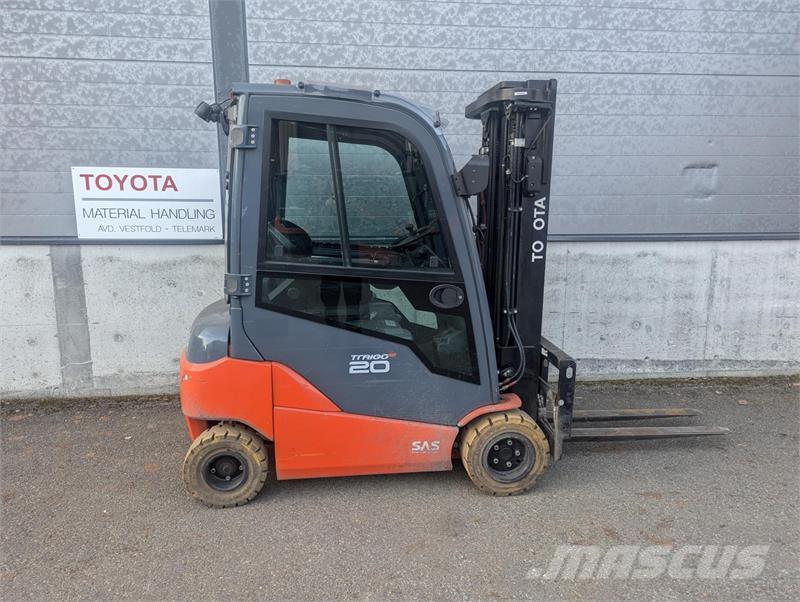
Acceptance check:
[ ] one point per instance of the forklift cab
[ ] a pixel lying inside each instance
(365, 278)
(372, 324)
(354, 336)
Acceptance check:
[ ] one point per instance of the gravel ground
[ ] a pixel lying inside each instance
(93, 507)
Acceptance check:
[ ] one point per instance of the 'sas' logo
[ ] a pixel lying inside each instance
(421, 447)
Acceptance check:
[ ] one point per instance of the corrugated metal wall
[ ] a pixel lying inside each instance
(675, 116)
(97, 82)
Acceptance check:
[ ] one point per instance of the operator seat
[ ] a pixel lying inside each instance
(288, 240)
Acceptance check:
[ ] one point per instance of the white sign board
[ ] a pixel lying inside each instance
(147, 204)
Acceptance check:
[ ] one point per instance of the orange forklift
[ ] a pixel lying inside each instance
(383, 311)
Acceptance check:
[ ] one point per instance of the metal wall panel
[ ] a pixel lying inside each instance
(676, 117)
(100, 82)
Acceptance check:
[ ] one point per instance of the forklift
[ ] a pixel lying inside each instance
(383, 310)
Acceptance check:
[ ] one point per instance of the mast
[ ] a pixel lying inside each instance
(513, 216)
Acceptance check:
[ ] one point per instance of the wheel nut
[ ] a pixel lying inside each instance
(516, 453)
(496, 447)
(508, 464)
(509, 442)
(213, 470)
(241, 468)
(495, 460)
(228, 478)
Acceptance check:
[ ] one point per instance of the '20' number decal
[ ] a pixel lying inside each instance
(369, 367)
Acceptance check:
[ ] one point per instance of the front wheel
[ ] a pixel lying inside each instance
(504, 452)
(226, 466)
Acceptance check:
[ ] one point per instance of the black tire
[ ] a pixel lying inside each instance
(226, 466)
(504, 453)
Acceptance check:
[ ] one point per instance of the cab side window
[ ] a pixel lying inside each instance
(397, 311)
(340, 199)
(302, 218)
(377, 205)
(350, 197)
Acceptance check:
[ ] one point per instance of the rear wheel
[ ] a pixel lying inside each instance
(226, 466)
(504, 452)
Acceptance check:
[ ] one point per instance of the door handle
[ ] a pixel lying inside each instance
(446, 296)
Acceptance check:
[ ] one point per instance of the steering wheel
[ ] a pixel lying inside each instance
(414, 235)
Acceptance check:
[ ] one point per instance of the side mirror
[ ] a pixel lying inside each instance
(214, 113)
(473, 177)
(205, 112)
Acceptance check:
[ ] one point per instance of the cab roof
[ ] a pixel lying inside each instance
(333, 91)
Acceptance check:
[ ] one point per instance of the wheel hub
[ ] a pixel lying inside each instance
(509, 457)
(225, 471)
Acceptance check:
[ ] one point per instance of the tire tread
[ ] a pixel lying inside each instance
(253, 446)
(497, 422)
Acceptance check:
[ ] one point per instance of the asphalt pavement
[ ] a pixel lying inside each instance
(93, 507)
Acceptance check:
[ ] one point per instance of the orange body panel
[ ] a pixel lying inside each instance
(313, 437)
(509, 401)
(227, 389)
(334, 444)
(196, 426)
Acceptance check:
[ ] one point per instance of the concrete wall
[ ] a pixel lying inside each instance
(633, 309)
(676, 309)
(29, 350)
(675, 117)
(138, 304)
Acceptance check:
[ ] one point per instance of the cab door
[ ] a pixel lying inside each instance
(364, 281)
